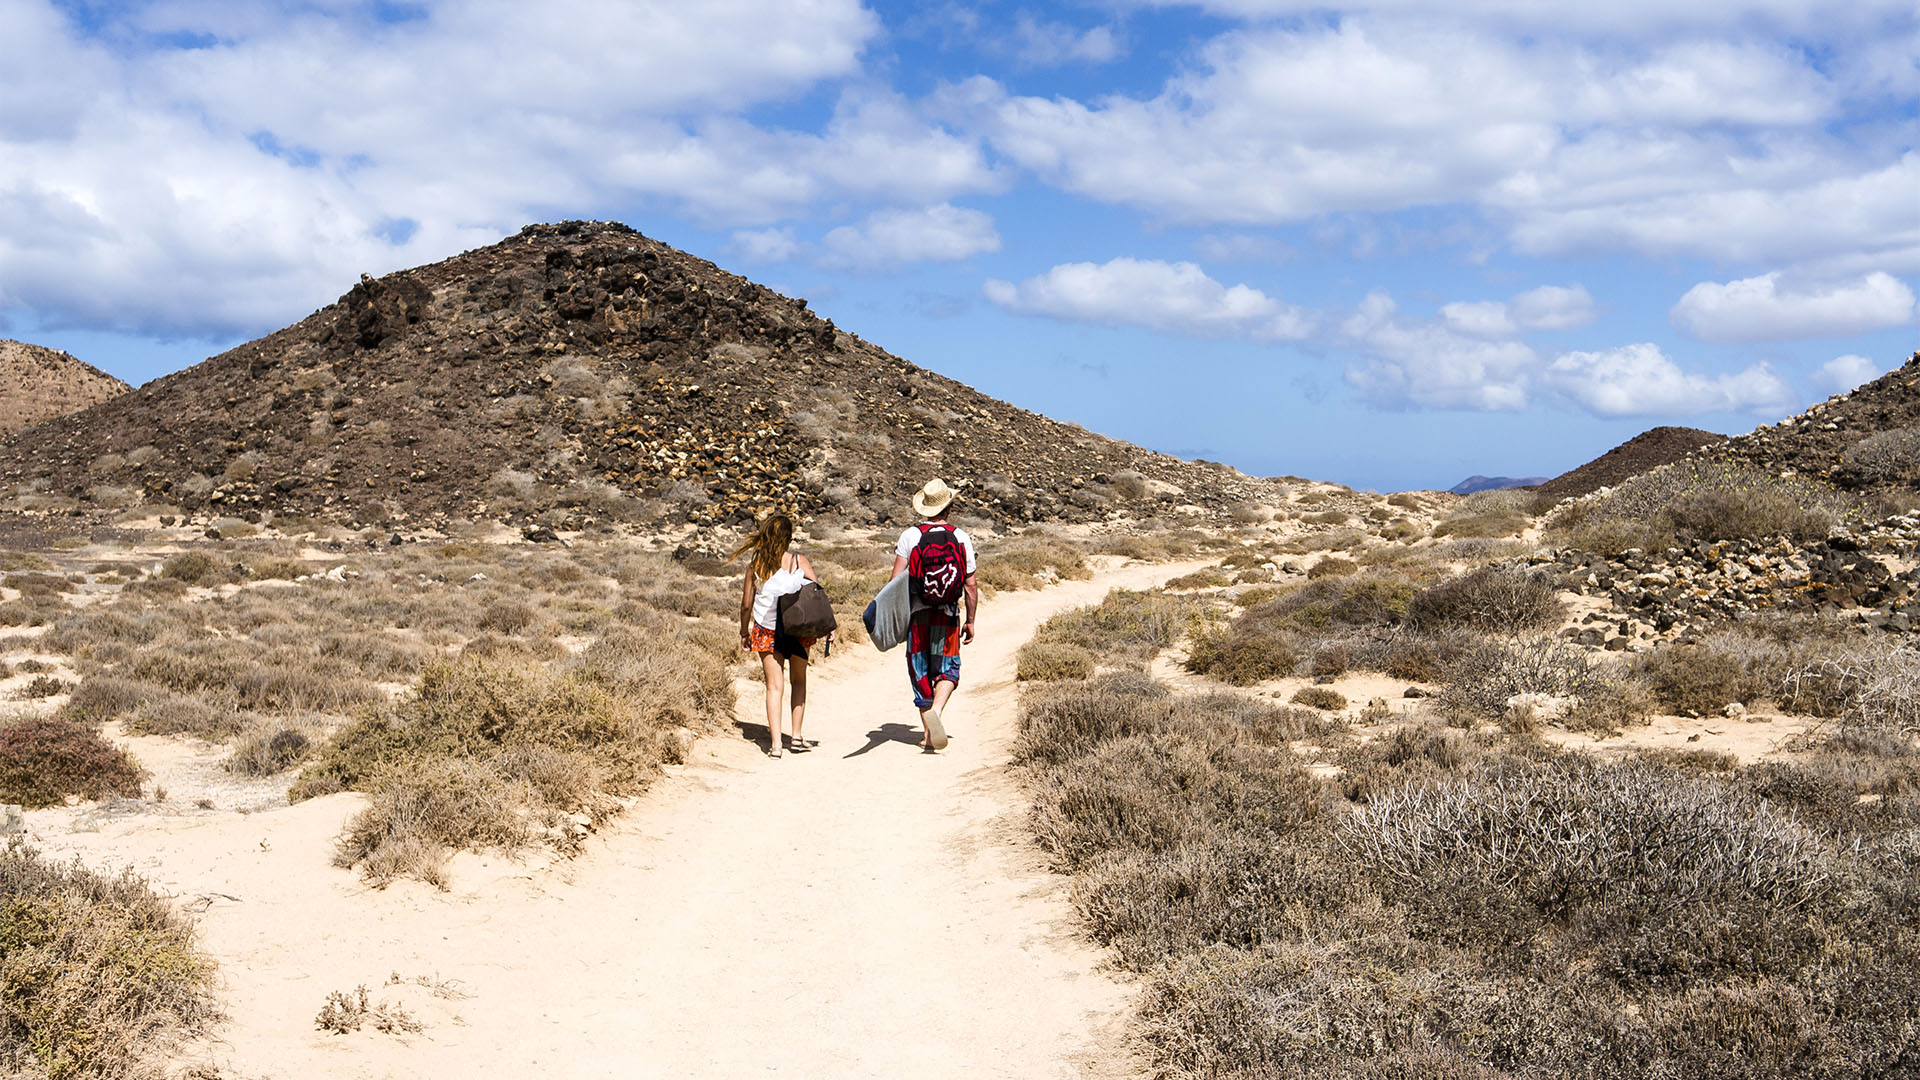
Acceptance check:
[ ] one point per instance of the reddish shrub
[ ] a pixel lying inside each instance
(45, 759)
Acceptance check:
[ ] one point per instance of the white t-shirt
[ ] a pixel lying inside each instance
(910, 539)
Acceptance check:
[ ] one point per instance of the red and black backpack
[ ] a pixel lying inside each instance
(938, 565)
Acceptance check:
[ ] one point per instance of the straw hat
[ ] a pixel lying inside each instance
(930, 500)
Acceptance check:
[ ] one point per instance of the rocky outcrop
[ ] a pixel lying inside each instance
(1853, 572)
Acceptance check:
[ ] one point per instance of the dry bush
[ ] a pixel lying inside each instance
(346, 1012)
(45, 759)
(1327, 517)
(487, 750)
(1489, 599)
(1319, 697)
(1332, 566)
(197, 568)
(32, 584)
(1024, 563)
(1127, 625)
(1696, 500)
(1485, 673)
(508, 617)
(1200, 579)
(41, 686)
(99, 978)
(1046, 661)
(270, 747)
(1885, 456)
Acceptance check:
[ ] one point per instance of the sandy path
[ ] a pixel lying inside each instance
(861, 911)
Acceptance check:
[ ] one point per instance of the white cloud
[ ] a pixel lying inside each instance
(764, 245)
(1689, 143)
(1629, 17)
(1433, 366)
(1843, 373)
(1043, 42)
(943, 233)
(1549, 307)
(1174, 297)
(1639, 380)
(1553, 307)
(1244, 247)
(1762, 309)
(310, 142)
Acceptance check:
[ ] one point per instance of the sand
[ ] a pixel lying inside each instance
(865, 910)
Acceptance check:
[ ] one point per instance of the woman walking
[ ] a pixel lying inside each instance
(772, 573)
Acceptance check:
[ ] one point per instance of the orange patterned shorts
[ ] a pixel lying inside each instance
(762, 640)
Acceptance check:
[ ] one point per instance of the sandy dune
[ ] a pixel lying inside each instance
(861, 911)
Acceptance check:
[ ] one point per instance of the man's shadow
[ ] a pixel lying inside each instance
(886, 733)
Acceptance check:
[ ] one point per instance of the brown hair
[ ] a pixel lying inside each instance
(768, 542)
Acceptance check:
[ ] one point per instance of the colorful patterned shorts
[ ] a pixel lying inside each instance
(933, 653)
(762, 640)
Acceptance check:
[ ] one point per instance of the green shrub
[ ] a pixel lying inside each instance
(1126, 625)
(1243, 656)
(45, 759)
(1332, 566)
(99, 977)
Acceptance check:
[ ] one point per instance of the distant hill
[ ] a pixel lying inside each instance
(1493, 483)
(581, 372)
(1647, 450)
(38, 384)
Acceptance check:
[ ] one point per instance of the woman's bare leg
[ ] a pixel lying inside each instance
(776, 689)
(798, 665)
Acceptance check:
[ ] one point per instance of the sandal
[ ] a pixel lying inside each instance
(801, 746)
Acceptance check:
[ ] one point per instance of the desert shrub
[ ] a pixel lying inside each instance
(1327, 517)
(31, 584)
(1405, 500)
(1484, 674)
(1885, 456)
(276, 569)
(414, 817)
(346, 1012)
(1200, 579)
(1490, 525)
(1046, 661)
(1332, 566)
(488, 728)
(100, 698)
(22, 560)
(99, 977)
(174, 714)
(270, 747)
(1331, 661)
(196, 568)
(1696, 680)
(1696, 500)
(42, 686)
(1319, 697)
(508, 617)
(1026, 563)
(1126, 625)
(1489, 599)
(45, 759)
(1243, 655)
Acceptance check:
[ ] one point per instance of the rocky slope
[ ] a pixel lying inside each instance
(38, 383)
(581, 372)
(1647, 450)
(1866, 440)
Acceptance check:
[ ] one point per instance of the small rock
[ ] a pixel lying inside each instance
(211, 533)
(1735, 709)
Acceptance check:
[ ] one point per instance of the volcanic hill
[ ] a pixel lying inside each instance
(1648, 450)
(38, 383)
(580, 372)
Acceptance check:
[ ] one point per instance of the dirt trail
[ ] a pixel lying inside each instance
(864, 910)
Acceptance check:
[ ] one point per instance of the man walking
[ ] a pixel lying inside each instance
(940, 561)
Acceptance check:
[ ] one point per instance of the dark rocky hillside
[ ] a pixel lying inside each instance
(1647, 450)
(38, 383)
(1867, 440)
(581, 372)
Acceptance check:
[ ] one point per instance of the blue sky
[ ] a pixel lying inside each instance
(1390, 243)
